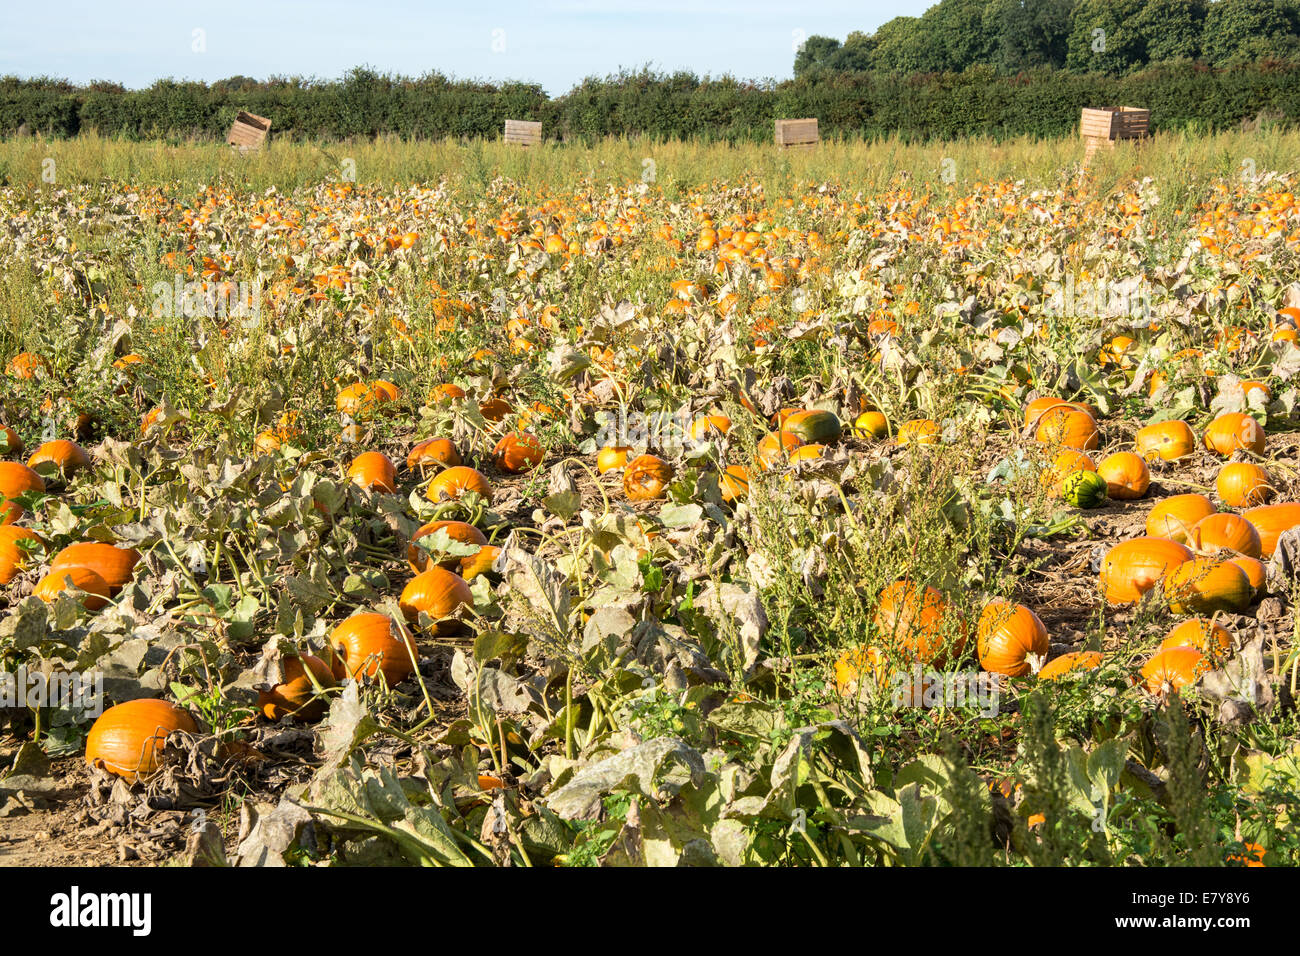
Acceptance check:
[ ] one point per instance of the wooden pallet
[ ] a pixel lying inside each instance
(248, 132)
(523, 133)
(1103, 128)
(796, 132)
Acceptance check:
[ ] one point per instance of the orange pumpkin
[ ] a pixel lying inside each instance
(60, 457)
(1066, 462)
(1173, 669)
(295, 696)
(1270, 521)
(437, 592)
(495, 409)
(433, 452)
(871, 424)
(1243, 484)
(127, 739)
(16, 479)
(15, 543)
(734, 483)
(445, 391)
(419, 559)
(1255, 571)
(1068, 427)
(472, 565)
(774, 448)
(1174, 518)
(1225, 530)
(912, 618)
(1058, 667)
(115, 565)
(612, 458)
(919, 431)
(1127, 476)
(56, 582)
(517, 452)
(10, 442)
(1233, 432)
(707, 426)
(1203, 586)
(1167, 440)
(366, 644)
(373, 470)
(458, 481)
(1010, 638)
(1211, 639)
(1131, 568)
(363, 399)
(646, 478)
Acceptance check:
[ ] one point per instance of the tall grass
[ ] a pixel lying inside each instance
(1183, 159)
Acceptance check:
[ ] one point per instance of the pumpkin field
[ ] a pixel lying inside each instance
(651, 504)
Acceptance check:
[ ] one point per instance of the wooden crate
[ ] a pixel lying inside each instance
(1115, 122)
(523, 133)
(248, 132)
(796, 132)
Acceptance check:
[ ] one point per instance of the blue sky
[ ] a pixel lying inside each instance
(552, 42)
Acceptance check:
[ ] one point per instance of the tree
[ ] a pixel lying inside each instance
(904, 45)
(1105, 37)
(816, 51)
(1032, 32)
(1172, 29)
(1246, 30)
(962, 33)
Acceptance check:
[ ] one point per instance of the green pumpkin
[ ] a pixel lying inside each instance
(1084, 489)
(815, 426)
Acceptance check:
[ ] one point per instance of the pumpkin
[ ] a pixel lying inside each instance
(1068, 427)
(16, 479)
(27, 364)
(457, 481)
(495, 409)
(807, 453)
(871, 425)
(15, 543)
(432, 452)
(1071, 661)
(115, 565)
(646, 478)
(1270, 521)
(365, 644)
(362, 399)
(59, 457)
(775, 447)
(1233, 432)
(127, 739)
(266, 442)
(481, 562)
(919, 431)
(1166, 440)
(734, 483)
(706, 426)
(1131, 568)
(295, 696)
(1203, 586)
(517, 452)
(373, 471)
(1243, 484)
(419, 559)
(813, 426)
(1035, 410)
(1084, 489)
(912, 618)
(1211, 639)
(10, 442)
(612, 458)
(1010, 639)
(1174, 518)
(1225, 530)
(1173, 669)
(1255, 571)
(447, 390)
(1127, 476)
(56, 582)
(436, 592)
(1066, 463)
(850, 666)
